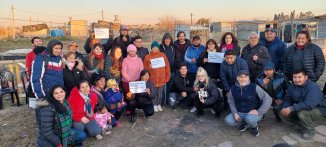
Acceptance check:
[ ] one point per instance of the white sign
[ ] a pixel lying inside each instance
(101, 33)
(215, 57)
(137, 87)
(32, 102)
(158, 62)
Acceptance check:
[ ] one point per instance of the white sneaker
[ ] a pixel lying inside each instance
(212, 111)
(155, 108)
(98, 136)
(194, 109)
(159, 108)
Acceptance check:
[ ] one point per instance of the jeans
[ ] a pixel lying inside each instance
(158, 92)
(168, 89)
(304, 119)
(92, 128)
(250, 119)
(176, 99)
(79, 137)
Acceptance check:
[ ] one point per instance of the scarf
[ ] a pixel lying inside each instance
(64, 124)
(299, 46)
(87, 107)
(226, 47)
(101, 56)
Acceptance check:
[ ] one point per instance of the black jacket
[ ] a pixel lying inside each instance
(72, 77)
(142, 52)
(145, 98)
(313, 61)
(123, 45)
(169, 51)
(183, 84)
(179, 53)
(213, 69)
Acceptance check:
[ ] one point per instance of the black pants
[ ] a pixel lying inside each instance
(117, 114)
(217, 106)
(147, 108)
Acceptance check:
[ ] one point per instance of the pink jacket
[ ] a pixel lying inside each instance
(102, 119)
(131, 68)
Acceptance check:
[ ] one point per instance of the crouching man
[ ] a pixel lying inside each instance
(248, 103)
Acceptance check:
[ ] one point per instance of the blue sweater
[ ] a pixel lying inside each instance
(193, 52)
(276, 50)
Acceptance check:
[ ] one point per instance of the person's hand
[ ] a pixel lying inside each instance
(278, 102)
(253, 112)
(202, 100)
(183, 94)
(255, 58)
(85, 120)
(286, 111)
(148, 91)
(205, 60)
(193, 60)
(237, 117)
(196, 88)
(266, 80)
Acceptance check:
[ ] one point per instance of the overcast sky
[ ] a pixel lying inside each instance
(148, 11)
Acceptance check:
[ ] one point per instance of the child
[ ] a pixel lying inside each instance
(114, 99)
(104, 118)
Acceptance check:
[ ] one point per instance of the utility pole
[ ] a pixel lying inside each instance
(190, 18)
(102, 15)
(13, 21)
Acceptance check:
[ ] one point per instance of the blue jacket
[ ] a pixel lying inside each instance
(305, 97)
(43, 77)
(246, 98)
(229, 73)
(193, 52)
(280, 85)
(276, 50)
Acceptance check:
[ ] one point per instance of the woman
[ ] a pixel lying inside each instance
(213, 69)
(94, 62)
(98, 87)
(55, 123)
(132, 65)
(82, 102)
(72, 71)
(229, 42)
(255, 55)
(160, 75)
(206, 94)
(143, 100)
(113, 65)
(304, 55)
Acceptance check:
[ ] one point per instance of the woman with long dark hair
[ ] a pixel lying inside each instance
(230, 42)
(94, 62)
(113, 65)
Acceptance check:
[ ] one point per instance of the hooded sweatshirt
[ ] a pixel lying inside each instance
(44, 78)
(169, 51)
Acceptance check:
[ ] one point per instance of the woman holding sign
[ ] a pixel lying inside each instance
(212, 68)
(158, 66)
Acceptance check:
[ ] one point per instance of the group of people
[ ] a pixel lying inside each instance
(85, 95)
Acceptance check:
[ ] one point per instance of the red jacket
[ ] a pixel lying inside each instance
(77, 104)
(29, 59)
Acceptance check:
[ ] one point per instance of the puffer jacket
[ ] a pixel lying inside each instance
(313, 61)
(193, 52)
(280, 85)
(43, 77)
(276, 50)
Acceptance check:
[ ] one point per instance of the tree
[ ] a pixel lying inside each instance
(168, 23)
(203, 21)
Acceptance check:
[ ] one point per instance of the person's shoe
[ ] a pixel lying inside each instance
(243, 127)
(159, 108)
(155, 108)
(107, 133)
(194, 109)
(98, 136)
(278, 119)
(212, 111)
(254, 131)
(132, 119)
(308, 136)
(199, 114)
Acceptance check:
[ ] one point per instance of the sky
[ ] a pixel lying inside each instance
(149, 11)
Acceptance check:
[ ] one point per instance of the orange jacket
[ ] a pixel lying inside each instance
(159, 76)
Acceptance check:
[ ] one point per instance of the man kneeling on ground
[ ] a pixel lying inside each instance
(302, 104)
(248, 103)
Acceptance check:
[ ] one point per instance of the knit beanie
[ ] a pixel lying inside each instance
(131, 47)
(155, 44)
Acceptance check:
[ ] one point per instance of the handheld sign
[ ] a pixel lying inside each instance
(101, 33)
(215, 57)
(158, 62)
(137, 87)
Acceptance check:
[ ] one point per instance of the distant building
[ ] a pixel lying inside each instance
(321, 26)
(40, 30)
(78, 28)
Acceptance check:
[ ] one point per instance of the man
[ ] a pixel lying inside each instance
(228, 72)
(182, 88)
(255, 55)
(36, 41)
(73, 47)
(192, 54)
(248, 103)
(180, 46)
(123, 40)
(141, 51)
(275, 84)
(276, 48)
(302, 104)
